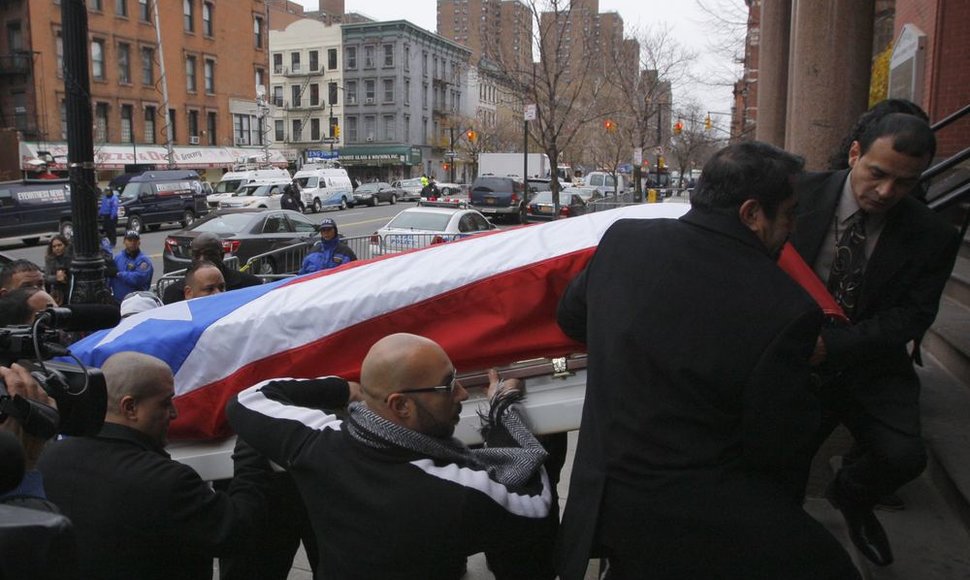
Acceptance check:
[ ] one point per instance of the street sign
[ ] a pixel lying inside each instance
(331, 140)
(530, 113)
(451, 154)
(637, 155)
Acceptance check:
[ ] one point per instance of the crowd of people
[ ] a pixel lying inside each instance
(702, 412)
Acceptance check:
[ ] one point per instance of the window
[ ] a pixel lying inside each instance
(351, 91)
(388, 55)
(388, 90)
(407, 128)
(297, 134)
(332, 93)
(188, 15)
(209, 74)
(260, 78)
(278, 96)
(20, 110)
(258, 32)
(424, 95)
(207, 9)
(369, 91)
(424, 62)
(407, 92)
(350, 58)
(210, 126)
(97, 59)
(390, 134)
(59, 54)
(194, 124)
(369, 122)
(407, 57)
(124, 63)
(147, 66)
(96, 5)
(171, 124)
(280, 130)
(101, 122)
(121, 8)
(190, 85)
(351, 129)
(295, 62)
(368, 57)
(314, 60)
(241, 129)
(127, 120)
(314, 129)
(314, 95)
(63, 120)
(294, 95)
(332, 58)
(143, 14)
(149, 124)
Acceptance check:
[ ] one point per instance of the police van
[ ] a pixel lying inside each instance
(33, 208)
(152, 198)
(324, 185)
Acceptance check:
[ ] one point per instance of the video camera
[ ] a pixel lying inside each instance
(79, 391)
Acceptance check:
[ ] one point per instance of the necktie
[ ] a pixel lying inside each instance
(849, 265)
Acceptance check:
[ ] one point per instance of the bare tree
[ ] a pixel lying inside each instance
(695, 143)
(726, 23)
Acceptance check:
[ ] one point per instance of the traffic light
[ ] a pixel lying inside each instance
(661, 163)
(609, 125)
(471, 135)
(445, 166)
(336, 131)
(708, 125)
(678, 127)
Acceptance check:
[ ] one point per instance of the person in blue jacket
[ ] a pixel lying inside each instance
(329, 252)
(108, 214)
(134, 268)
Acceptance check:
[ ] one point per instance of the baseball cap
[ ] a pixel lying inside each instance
(132, 235)
(136, 302)
(327, 223)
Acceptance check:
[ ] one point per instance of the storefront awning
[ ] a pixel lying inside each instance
(380, 155)
(117, 156)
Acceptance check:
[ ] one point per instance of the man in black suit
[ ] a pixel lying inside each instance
(886, 258)
(699, 419)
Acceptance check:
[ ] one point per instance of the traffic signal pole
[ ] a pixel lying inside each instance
(87, 267)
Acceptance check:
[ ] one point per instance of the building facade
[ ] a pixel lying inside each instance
(214, 57)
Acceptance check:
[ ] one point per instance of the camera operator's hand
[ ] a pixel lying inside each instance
(19, 382)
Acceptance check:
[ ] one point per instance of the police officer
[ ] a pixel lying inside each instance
(108, 214)
(134, 268)
(329, 252)
(291, 198)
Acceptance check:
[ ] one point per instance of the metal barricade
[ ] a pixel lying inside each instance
(279, 263)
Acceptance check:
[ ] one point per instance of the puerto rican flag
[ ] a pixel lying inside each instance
(488, 300)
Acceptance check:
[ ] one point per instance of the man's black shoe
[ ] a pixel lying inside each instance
(865, 531)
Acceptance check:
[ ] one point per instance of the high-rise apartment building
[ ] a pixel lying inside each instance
(584, 38)
(496, 30)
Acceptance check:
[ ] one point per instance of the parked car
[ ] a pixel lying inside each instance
(537, 184)
(541, 207)
(584, 191)
(499, 196)
(245, 232)
(264, 194)
(411, 188)
(419, 227)
(451, 189)
(376, 192)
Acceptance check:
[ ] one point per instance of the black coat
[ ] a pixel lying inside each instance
(139, 515)
(900, 296)
(699, 419)
(235, 279)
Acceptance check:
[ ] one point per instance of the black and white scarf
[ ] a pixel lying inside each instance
(512, 467)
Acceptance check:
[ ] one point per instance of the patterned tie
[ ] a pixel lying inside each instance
(849, 264)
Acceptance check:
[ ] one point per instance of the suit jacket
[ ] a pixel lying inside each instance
(698, 391)
(898, 301)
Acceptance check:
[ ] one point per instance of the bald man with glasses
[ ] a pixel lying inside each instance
(389, 490)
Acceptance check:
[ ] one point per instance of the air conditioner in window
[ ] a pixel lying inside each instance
(240, 141)
(369, 101)
(193, 140)
(371, 138)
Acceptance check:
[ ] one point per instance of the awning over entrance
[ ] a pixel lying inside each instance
(117, 156)
(380, 155)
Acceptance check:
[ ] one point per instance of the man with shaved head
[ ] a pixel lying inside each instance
(203, 279)
(208, 247)
(390, 492)
(136, 512)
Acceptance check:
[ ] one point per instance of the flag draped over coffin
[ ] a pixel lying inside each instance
(488, 300)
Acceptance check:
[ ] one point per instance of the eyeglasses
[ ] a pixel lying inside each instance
(449, 388)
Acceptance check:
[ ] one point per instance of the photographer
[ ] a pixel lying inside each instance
(29, 493)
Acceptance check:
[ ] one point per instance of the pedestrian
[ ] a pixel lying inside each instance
(291, 198)
(208, 247)
(886, 258)
(57, 268)
(20, 273)
(108, 215)
(136, 512)
(393, 478)
(203, 279)
(329, 252)
(692, 456)
(134, 268)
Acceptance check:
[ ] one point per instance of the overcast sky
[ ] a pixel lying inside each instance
(684, 18)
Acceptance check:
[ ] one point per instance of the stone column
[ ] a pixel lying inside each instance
(829, 66)
(773, 71)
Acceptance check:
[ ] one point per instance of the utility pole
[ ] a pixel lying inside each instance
(169, 138)
(87, 267)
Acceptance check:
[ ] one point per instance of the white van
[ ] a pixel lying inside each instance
(605, 184)
(262, 193)
(231, 180)
(324, 187)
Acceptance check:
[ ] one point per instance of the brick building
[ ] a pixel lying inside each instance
(477, 24)
(214, 58)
